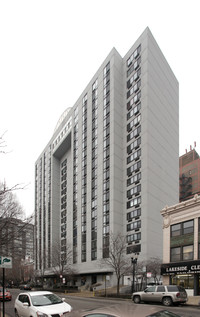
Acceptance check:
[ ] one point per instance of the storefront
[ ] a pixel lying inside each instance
(186, 274)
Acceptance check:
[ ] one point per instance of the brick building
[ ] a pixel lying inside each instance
(189, 171)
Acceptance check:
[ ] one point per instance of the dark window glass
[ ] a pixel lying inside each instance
(175, 254)
(160, 289)
(176, 230)
(188, 227)
(188, 252)
(151, 289)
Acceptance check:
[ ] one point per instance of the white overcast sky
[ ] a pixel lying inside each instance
(49, 51)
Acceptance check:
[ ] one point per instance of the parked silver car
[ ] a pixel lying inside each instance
(166, 294)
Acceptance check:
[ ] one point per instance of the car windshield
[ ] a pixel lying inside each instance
(163, 313)
(45, 299)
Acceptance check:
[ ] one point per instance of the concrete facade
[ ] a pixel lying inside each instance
(111, 164)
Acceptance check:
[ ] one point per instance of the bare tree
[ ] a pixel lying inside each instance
(10, 208)
(153, 265)
(62, 263)
(141, 275)
(117, 258)
(12, 220)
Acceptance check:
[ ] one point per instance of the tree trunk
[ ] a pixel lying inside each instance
(118, 280)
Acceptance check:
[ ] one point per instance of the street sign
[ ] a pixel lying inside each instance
(5, 262)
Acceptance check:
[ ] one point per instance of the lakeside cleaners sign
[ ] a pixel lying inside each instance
(180, 268)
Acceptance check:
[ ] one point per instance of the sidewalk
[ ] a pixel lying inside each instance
(1, 314)
(192, 300)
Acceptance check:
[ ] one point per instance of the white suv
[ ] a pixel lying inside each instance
(166, 294)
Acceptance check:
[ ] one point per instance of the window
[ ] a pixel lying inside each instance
(133, 191)
(134, 179)
(134, 168)
(134, 145)
(161, 289)
(106, 229)
(134, 89)
(151, 289)
(175, 254)
(133, 78)
(188, 252)
(134, 156)
(134, 213)
(106, 207)
(133, 123)
(134, 111)
(133, 202)
(106, 219)
(134, 237)
(134, 134)
(176, 230)
(133, 248)
(137, 97)
(182, 228)
(188, 227)
(134, 225)
(93, 255)
(95, 85)
(134, 55)
(182, 253)
(24, 299)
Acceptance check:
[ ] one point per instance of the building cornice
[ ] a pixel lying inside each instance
(184, 205)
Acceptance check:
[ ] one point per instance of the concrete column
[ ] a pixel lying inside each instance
(196, 238)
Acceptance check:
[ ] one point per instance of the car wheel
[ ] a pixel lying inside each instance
(16, 313)
(136, 299)
(167, 301)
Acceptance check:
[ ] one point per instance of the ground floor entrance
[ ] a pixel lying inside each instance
(186, 274)
(188, 281)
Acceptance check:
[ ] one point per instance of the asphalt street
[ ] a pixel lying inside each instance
(81, 303)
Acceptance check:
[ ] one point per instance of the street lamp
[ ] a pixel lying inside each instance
(134, 262)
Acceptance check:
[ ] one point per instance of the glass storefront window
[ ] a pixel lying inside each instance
(187, 281)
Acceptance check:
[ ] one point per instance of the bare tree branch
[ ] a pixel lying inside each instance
(62, 263)
(117, 258)
(2, 144)
(12, 218)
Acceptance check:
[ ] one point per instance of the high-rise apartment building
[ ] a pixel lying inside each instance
(111, 164)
